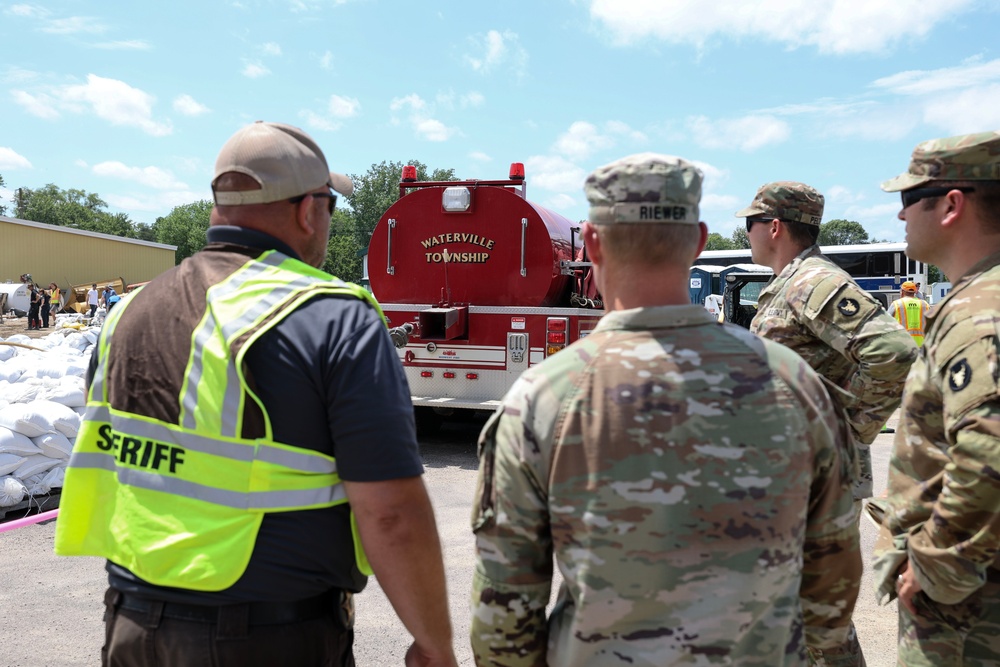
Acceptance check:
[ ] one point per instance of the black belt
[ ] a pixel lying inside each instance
(257, 613)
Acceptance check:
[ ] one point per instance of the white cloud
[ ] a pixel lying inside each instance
(11, 159)
(255, 70)
(480, 156)
(41, 105)
(747, 133)
(187, 105)
(839, 195)
(560, 202)
(496, 50)
(343, 107)
(729, 203)
(319, 122)
(555, 173)
(27, 11)
(271, 49)
(326, 60)
(419, 118)
(73, 25)
(472, 99)
(12, 74)
(845, 26)
(152, 177)
(124, 45)
(432, 129)
(79, 162)
(117, 102)
(879, 220)
(581, 140)
(155, 202)
(413, 101)
(714, 176)
(971, 73)
(972, 110)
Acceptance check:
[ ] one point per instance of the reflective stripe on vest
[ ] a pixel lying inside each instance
(180, 504)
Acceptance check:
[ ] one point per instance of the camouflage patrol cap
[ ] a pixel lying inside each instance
(645, 188)
(966, 157)
(786, 200)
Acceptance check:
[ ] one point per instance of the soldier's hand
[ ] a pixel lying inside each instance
(417, 656)
(907, 587)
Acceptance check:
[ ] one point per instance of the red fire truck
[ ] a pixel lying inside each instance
(478, 284)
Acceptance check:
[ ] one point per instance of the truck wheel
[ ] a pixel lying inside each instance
(428, 421)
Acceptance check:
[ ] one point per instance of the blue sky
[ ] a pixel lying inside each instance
(133, 100)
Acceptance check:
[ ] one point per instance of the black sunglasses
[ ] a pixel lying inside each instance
(911, 197)
(328, 195)
(750, 222)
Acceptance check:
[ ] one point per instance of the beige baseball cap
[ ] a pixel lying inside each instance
(282, 158)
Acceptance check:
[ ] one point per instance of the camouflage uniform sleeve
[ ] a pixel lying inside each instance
(832, 565)
(513, 575)
(851, 322)
(952, 551)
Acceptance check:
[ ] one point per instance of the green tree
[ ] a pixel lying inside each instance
(934, 275)
(842, 232)
(378, 189)
(3, 208)
(717, 241)
(185, 227)
(342, 259)
(741, 239)
(67, 208)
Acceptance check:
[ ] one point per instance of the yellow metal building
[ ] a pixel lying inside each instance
(71, 256)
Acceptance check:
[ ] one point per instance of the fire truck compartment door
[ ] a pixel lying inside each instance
(444, 323)
(517, 354)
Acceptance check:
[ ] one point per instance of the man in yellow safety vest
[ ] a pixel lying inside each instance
(910, 311)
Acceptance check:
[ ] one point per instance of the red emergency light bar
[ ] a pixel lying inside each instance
(517, 171)
(409, 174)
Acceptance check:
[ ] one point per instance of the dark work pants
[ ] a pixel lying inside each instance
(138, 639)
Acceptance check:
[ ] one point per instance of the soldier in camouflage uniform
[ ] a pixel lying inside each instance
(689, 479)
(940, 543)
(815, 308)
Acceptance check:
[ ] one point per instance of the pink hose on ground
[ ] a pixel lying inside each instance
(28, 520)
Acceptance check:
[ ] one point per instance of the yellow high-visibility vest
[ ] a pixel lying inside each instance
(180, 504)
(909, 312)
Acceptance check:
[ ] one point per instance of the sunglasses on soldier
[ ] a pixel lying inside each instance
(750, 222)
(911, 197)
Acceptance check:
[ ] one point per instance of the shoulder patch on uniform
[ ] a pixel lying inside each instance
(848, 307)
(959, 375)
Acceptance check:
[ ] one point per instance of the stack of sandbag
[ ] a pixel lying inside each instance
(42, 398)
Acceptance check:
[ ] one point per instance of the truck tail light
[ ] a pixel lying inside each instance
(472, 376)
(426, 374)
(448, 375)
(556, 330)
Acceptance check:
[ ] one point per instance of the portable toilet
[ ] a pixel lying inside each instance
(704, 280)
(752, 291)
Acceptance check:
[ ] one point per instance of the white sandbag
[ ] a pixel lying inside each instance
(50, 368)
(80, 411)
(78, 367)
(11, 491)
(23, 391)
(10, 373)
(53, 445)
(10, 462)
(67, 421)
(12, 442)
(32, 465)
(55, 477)
(36, 485)
(27, 419)
(76, 340)
(70, 392)
(7, 352)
